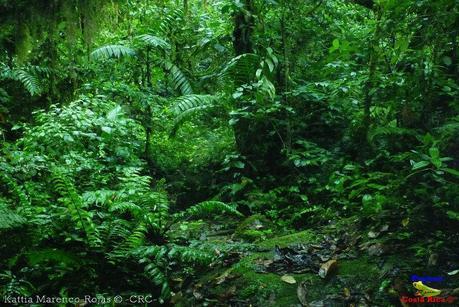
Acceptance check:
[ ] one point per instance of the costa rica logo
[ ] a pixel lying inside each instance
(425, 291)
(427, 294)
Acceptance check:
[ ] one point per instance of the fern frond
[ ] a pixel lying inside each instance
(156, 201)
(170, 22)
(178, 78)
(449, 129)
(389, 130)
(188, 105)
(27, 76)
(29, 81)
(133, 241)
(207, 208)
(15, 189)
(99, 197)
(112, 51)
(126, 206)
(154, 41)
(191, 255)
(189, 102)
(10, 219)
(115, 231)
(75, 205)
(242, 68)
(156, 274)
(40, 70)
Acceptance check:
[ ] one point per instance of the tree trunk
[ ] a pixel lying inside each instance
(369, 88)
(243, 28)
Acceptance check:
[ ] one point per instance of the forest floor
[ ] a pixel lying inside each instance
(333, 265)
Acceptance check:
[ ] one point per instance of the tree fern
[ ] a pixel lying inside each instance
(112, 51)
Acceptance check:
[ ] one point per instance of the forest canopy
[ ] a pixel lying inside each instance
(229, 152)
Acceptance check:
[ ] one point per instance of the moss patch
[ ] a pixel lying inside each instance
(254, 227)
(268, 288)
(264, 287)
(306, 236)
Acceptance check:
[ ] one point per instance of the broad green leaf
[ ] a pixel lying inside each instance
(420, 164)
(435, 156)
(451, 171)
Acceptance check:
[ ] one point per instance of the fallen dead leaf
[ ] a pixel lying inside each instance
(222, 278)
(405, 222)
(288, 279)
(198, 295)
(229, 293)
(327, 268)
(376, 249)
(301, 292)
(347, 292)
(373, 234)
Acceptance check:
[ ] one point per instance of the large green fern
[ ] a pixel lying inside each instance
(171, 21)
(75, 205)
(379, 131)
(207, 208)
(154, 41)
(27, 77)
(112, 51)
(9, 219)
(241, 69)
(185, 106)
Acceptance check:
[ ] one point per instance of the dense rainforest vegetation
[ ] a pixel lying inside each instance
(229, 152)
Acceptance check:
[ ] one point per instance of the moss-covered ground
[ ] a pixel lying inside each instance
(379, 279)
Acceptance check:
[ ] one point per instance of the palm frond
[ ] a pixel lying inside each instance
(112, 51)
(178, 78)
